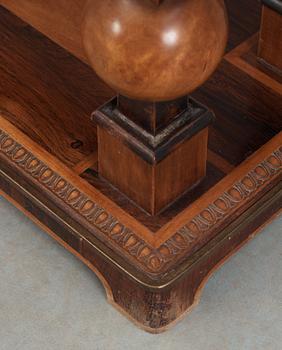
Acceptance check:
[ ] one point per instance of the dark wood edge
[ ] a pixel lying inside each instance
(153, 148)
(75, 238)
(275, 5)
(235, 57)
(192, 281)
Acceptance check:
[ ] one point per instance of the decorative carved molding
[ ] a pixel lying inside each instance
(150, 259)
(203, 224)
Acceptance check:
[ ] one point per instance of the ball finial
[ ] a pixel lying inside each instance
(155, 51)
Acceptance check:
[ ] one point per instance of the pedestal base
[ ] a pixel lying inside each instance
(153, 169)
(153, 267)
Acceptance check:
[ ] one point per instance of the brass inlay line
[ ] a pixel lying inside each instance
(177, 238)
(61, 220)
(246, 218)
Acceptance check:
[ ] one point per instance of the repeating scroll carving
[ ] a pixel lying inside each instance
(211, 217)
(150, 259)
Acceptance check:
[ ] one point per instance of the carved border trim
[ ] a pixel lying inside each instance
(183, 241)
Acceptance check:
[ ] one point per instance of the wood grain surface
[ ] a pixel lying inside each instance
(270, 41)
(153, 267)
(60, 20)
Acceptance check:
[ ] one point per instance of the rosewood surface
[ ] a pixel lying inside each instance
(46, 16)
(270, 41)
(153, 267)
(151, 168)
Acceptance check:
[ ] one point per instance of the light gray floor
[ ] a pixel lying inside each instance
(50, 300)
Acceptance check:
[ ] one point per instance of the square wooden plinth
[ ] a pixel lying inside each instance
(153, 267)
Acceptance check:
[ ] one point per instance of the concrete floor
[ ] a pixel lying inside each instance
(50, 300)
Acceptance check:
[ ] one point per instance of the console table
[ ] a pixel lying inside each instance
(143, 136)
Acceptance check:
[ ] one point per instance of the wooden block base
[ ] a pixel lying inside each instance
(153, 267)
(153, 170)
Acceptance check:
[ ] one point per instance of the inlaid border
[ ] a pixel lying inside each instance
(188, 237)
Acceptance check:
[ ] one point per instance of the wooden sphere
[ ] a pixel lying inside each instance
(154, 52)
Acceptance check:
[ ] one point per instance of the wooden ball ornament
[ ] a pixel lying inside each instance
(155, 50)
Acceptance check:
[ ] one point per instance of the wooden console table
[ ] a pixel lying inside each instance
(154, 179)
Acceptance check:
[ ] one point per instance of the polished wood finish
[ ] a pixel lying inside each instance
(155, 309)
(58, 131)
(152, 186)
(267, 83)
(154, 52)
(156, 165)
(153, 267)
(163, 291)
(60, 20)
(270, 42)
(151, 116)
(245, 58)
